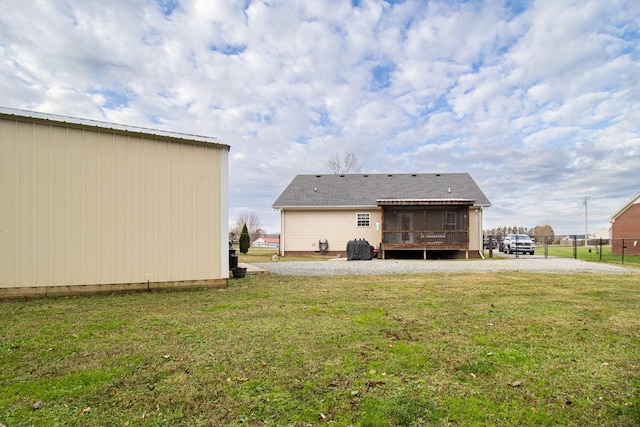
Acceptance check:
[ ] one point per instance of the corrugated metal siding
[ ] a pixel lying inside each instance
(91, 207)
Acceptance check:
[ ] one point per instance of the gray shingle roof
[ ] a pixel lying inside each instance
(366, 189)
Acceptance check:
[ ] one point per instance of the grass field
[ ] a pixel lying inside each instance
(439, 349)
(584, 253)
(264, 255)
(592, 253)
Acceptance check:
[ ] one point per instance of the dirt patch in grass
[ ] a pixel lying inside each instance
(487, 349)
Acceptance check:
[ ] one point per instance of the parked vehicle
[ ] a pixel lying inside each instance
(518, 243)
(494, 241)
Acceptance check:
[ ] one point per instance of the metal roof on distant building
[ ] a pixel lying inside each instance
(97, 125)
(332, 190)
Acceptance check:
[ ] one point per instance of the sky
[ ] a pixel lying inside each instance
(539, 101)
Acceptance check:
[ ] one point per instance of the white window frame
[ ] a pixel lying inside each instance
(363, 218)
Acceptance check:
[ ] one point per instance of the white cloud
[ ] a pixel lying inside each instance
(448, 86)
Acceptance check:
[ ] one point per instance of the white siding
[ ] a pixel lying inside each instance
(301, 230)
(475, 229)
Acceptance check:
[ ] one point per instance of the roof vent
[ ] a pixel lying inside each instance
(366, 176)
(413, 174)
(437, 174)
(341, 176)
(318, 176)
(389, 175)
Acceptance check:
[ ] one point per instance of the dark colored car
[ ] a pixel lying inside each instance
(485, 242)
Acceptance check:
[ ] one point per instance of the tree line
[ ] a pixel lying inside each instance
(539, 232)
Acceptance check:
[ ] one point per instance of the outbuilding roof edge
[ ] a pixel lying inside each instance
(24, 115)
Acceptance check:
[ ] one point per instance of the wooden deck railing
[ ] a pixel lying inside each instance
(426, 239)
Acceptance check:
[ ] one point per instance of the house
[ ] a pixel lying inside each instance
(404, 215)
(603, 234)
(576, 240)
(625, 228)
(266, 242)
(90, 207)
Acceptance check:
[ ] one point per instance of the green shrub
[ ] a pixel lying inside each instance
(245, 240)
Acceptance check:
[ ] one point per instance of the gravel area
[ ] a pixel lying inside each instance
(524, 263)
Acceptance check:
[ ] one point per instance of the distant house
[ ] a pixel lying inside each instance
(97, 207)
(564, 240)
(266, 242)
(576, 239)
(603, 234)
(625, 228)
(405, 215)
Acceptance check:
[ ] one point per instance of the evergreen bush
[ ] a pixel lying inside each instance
(245, 240)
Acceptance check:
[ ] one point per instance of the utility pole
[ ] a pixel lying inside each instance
(586, 234)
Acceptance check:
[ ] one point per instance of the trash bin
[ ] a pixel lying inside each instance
(233, 259)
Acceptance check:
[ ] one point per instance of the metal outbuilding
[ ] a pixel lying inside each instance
(91, 207)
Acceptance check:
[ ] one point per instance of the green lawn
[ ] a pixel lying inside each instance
(584, 253)
(591, 253)
(437, 349)
(257, 254)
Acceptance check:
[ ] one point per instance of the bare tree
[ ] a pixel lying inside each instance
(252, 220)
(544, 233)
(348, 164)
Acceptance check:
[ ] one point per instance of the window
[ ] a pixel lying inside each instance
(450, 221)
(363, 219)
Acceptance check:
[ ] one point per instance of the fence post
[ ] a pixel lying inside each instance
(575, 247)
(546, 246)
(490, 246)
(601, 249)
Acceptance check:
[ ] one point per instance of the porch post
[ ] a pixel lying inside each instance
(382, 242)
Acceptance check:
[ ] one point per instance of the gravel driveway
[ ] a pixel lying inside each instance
(530, 264)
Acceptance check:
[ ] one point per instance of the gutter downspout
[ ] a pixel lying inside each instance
(480, 234)
(282, 233)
